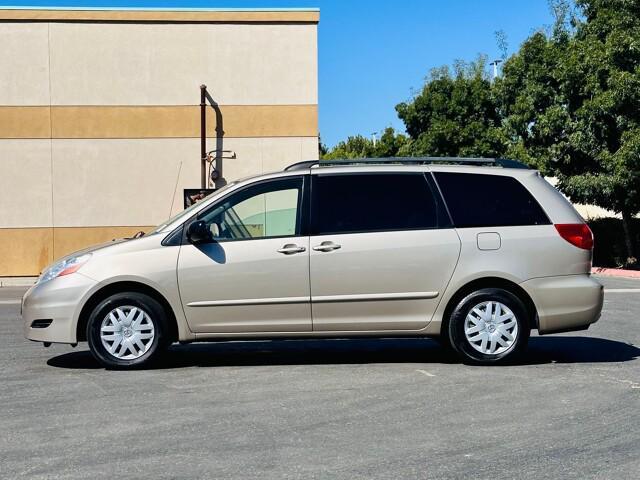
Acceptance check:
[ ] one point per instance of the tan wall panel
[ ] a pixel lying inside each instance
(266, 121)
(25, 183)
(125, 122)
(117, 182)
(140, 182)
(161, 16)
(25, 251)
(158, 121)
(164, 64)
(24, 64)
(255, 156)
(69, 240)
(25, 122)
(184, 122)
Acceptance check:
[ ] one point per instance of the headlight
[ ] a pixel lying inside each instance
(64, 267)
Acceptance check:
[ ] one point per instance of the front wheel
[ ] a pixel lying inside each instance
(127, 330)
(489, 326)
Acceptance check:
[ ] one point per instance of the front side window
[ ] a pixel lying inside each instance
(370, 202)
(266, 210)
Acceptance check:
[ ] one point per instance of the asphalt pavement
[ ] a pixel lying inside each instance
(348, 409)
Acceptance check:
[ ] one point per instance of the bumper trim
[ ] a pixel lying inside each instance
(58, 301)
(565, 303)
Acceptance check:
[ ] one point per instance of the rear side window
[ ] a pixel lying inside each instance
(351, 203)
(476, 200)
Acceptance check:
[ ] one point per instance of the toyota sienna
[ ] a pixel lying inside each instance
(477, 252)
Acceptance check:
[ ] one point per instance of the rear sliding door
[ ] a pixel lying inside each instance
(382, 251)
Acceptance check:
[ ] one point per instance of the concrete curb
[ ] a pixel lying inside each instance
(616, 272)
(17, 281)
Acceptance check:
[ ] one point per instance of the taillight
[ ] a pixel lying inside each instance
(578, 234)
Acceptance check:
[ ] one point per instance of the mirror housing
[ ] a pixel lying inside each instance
(198, 232)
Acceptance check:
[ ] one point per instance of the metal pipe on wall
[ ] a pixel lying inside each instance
(203, 136)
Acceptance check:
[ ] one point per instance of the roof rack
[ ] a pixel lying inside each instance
(306, 165)
(480, 162)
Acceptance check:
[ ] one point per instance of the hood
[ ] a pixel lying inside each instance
(95, 248)
(98, 246)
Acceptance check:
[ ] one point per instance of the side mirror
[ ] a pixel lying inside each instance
(199, 232)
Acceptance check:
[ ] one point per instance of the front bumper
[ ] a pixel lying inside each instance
(566, 303)
(58, 300)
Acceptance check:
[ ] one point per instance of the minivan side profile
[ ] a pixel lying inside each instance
(471, 251)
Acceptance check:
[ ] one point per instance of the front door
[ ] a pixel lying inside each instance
(254, 275)
(382, 251)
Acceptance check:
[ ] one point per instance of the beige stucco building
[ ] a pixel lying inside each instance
(100, 123)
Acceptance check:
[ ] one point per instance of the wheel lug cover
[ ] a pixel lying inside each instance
(127, 332)
(491, 328)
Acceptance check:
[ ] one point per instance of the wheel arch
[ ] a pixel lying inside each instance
(120, 287)
(491, 282)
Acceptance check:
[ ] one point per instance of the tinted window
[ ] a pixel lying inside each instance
(372, 202)
(269, 209)
(489, 200)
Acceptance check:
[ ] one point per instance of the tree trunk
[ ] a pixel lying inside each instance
(628, 238)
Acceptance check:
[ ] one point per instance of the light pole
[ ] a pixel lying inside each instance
(495, 64)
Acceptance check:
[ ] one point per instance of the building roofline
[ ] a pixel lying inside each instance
(157, 9)
(152, 14)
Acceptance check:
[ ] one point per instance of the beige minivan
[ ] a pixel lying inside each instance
(476, 252)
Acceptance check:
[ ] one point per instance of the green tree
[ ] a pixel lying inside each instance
(570, 101)
(389, 145)
(455, 114)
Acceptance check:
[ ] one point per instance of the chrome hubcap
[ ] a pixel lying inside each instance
(491, 328)
(127, 332)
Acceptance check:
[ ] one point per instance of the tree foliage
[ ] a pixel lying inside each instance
(389, 145)
(455, 114)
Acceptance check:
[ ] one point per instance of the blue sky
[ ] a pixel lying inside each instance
(372, 54)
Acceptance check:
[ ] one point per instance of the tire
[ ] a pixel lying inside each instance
(493, 314)
(128, 330)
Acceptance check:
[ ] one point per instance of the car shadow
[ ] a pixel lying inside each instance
(541, 350)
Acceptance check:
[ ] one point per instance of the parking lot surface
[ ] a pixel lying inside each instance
(396, 408)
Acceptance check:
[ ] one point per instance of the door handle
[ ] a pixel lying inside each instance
(291, 248)
(327, 247)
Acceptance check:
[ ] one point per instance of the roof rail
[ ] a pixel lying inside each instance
(480, 162)
(307, 164)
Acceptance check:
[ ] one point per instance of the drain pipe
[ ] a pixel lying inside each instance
(203, 136)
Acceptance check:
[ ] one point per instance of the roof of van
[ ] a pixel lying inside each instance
(471, 161)
(452, 164)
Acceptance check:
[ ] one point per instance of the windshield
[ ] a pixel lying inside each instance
(187, 211)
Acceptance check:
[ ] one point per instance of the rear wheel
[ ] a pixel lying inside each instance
(127, 330)
(489, 326)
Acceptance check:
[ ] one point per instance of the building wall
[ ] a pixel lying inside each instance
(100, 124)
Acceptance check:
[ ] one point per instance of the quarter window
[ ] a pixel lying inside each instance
(270, 209)
(478, 200)
(350, 203)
